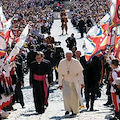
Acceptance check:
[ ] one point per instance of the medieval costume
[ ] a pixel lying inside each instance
(70, 78)
(64, 21)
(39, 73)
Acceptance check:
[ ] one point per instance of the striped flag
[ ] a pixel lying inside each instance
(117, 40)
(118, 53)
(97, 43)
(115, 13)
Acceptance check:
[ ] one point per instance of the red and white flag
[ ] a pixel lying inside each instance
(19, 44)
(115, 13)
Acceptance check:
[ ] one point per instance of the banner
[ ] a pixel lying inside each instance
(19, 44)
(117, 40)
(115, 13)
(97, 42)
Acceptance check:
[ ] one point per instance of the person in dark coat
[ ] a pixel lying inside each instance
(31, 56)
(71, 41)
(20, 83)
(40, 72)
(108, 71)
(49, 54)
(81, 26)
(92, 75)
(89, 23)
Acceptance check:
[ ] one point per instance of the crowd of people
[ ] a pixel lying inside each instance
(94, 75)
(43, 55)
(86, 13)
(58, 6)
(37, 13)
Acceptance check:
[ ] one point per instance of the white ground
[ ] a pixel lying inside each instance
(55, 110)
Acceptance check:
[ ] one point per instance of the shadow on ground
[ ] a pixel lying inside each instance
(62, 117)
(29, 114)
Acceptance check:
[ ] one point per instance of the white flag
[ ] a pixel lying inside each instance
(2, 16)
(19, 45)
(7, 25)
(113, 8)
(23, 37)
(94, 31)
(105, 19)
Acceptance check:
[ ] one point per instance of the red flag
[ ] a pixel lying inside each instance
(115, 14)
(117, 40)
(7, 36)
(105, 26)
(116, 18)
(118, 53)
(100, 44)
(100, 41)
(105, 42)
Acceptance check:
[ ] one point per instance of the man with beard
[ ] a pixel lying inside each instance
(40, 70)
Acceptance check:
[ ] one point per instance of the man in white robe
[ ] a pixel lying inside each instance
(70, 82)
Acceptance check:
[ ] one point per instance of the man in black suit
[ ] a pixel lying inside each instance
(81, 26)
(71, 41)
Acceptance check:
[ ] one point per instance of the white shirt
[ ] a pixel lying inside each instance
(115, 77)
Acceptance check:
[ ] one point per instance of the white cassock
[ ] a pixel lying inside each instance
(71, 78)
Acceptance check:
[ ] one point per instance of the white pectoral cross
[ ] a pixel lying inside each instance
(68, 63)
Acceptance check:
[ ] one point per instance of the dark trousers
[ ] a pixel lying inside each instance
(19, 94)
(56, 74)
(109, 101)
(89, 96)
(82, 34)
(39, 96)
